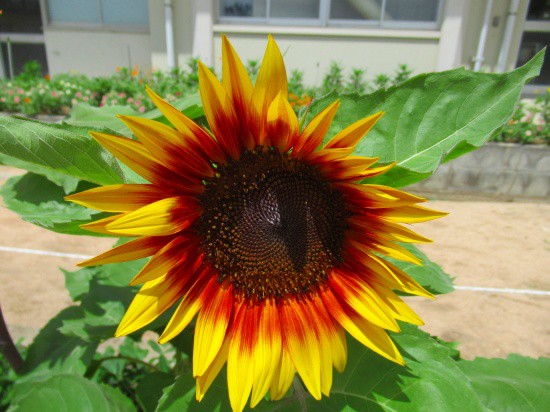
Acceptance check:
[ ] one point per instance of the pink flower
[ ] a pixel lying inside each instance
(78, 95)
(74, 101)
(86, 98)
(10, 92)
(122, 95)
(130, 100)
(138, 102)
(16, 99)
(20, 91)
(2, 99)
(141, 109)
(54, 93)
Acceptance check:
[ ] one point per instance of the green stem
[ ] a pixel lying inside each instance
(8, 348)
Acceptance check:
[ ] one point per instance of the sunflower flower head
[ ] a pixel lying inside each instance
(271, 240)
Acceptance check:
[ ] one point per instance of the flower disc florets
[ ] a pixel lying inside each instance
(271, 225)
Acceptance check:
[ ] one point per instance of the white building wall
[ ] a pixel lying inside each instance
(312, 49)
(95, 53)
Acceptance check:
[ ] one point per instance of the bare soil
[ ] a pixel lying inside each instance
(481, 243)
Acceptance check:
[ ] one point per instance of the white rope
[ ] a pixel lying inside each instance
(42, 252)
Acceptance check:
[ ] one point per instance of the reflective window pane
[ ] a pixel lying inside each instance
(125, 12)
(243, 8)
(355, 9)
(294, 9)
(411, 10)
(73, 11)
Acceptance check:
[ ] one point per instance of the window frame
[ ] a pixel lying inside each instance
(87, 26)
(324, 19)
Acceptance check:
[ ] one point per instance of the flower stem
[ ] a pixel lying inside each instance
(8, 348)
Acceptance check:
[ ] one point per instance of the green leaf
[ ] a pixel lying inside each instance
(52, 352)
(430, 275)
(85, 115)
(64, 149)
(150, 389)
(430, 381)
(431, 118)
(41, 202)
(67, 393)
(517, 383)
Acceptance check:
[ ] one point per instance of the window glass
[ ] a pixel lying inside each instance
(295, 9)
(355, 9)
(125, 12)
(411, 10)
(539, 10)
(531, 44)
(73, 11)
(20, 17)
(243, 8)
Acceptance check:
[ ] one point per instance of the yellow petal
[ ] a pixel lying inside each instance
(271, 81)
(302, 344)
(351, 135)
(117, 198)
(100, 226)
(282, 123)
(240, 360)
(267, 351)
(156, 219)
(365, 332)
(411, 214)
(363, 301)
(164, 260)
(133, 250)
(189, 306)
(204, 381)
(236, 82)
(150, 302)
(282, 379)
(399, 309)
(169, 146)
(313, 134)
(192, 131)
(133, 154)
(211, 328)
(220, 112)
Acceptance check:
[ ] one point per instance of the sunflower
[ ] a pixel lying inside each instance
(272, 241)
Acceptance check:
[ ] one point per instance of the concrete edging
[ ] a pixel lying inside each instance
(500, 169)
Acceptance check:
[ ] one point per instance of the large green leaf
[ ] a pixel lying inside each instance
(41, 202)
(517, 383)
(68, 393)
(86, 115)
(64, 149)
(430, 381)
(431, 118)
(150, 389)
(52, 352)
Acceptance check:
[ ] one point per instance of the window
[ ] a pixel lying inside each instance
(375, 13)
(99, 13)
(536, 36)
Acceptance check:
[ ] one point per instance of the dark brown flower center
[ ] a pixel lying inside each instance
(271, 225)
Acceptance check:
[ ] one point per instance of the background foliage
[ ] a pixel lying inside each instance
(75, 364)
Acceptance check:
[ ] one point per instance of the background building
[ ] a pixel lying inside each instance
(95, 36)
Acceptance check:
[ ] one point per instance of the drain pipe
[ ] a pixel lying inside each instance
(483, 37)
(507, 39)
(170, 51)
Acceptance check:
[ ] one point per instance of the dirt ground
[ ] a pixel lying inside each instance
(481, 243)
